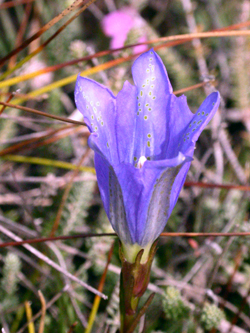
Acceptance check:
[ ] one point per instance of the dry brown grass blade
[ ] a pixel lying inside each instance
(21, 31)
(188, 37)
(10, 4)
(32, 143)
(234, 26)
(50, 239)
(66, 131)
(90, 235)
(66, 12)
(41, 113)
(7, 101)
(41, 47)
(54, 68)
(204, 234)
(221, 186)
(172, 40)
(109, 64)
(46, 27)
(71, 78)
(195, 86)
(20, 95)
(179, 41)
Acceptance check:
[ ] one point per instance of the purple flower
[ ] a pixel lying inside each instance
(119, 23)
(144, 140)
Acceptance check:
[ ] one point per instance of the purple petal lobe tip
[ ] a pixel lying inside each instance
(144, 140)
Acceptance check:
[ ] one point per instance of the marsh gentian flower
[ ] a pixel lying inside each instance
(144, 140)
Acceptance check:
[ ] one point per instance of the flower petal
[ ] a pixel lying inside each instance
(125, 122)
(157, 197)
(146, 195)
(131, 184)
(112, 197)
(179, 118)
(153, 97)
(97, 104)
(102, 174)
(178, 183)
(191, 134)
(202, 117)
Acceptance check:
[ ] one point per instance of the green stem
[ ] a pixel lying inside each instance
(127, 317)
(134, 282)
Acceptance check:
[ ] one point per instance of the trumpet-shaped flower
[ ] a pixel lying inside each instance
(144, 140)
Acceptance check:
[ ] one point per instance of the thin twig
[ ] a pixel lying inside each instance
(7, 101)
(45, 138)
(195, 86)
(221, 186)
(10, 4)
(21, 31)
(163, 234)
(41, 113)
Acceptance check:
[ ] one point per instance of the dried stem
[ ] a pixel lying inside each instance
(41, 113)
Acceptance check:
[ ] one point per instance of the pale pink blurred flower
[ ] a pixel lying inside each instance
(41, 80)
(119, 23)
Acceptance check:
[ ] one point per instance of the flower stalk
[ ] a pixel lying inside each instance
(134, 282)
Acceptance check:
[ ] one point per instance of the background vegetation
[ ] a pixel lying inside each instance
(48, 185)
